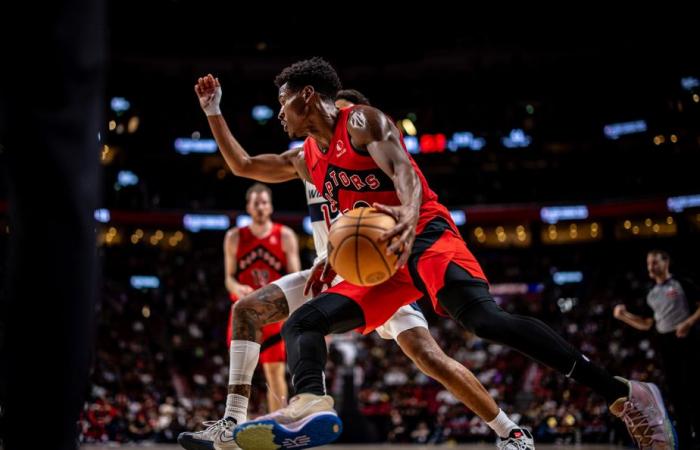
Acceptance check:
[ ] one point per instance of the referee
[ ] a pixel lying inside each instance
(674, 307)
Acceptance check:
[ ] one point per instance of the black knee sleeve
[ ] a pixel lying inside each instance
(304, 334)
(471, 304)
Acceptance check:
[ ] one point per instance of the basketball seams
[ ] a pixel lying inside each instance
(361, 229)
(357, 244)
(379, 252)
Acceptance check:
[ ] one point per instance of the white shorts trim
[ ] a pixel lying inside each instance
(292, 286)
(403, 319)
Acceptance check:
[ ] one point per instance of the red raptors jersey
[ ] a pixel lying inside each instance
(260, 260)
(349, 178)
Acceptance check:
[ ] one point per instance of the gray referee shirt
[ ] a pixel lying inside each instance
(670, 305)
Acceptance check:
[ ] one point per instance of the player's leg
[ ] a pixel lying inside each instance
(409, 329)
(310, 419)
(640, 405)
(267, 305)
(276, 384)
(272, 358)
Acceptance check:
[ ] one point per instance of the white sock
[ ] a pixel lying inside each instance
(502, 424)
(244, 357)
(236, 408)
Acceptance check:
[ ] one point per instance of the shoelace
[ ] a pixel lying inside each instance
(214, 425)
(638, 425)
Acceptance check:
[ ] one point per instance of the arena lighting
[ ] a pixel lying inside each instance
(459, 217)
(262, 113)
(615, 130)
(102, 215)
(119, 104)
(566, 304)
(465, 139)
(553, 214)
(144, 282)
(306, 224)
(516, 139)
(127, 178)
(409, 127)
(433, 143)
(133, 124)
(186, 146)
(678, 204)
(411, 143)
(295, 144)
(690, 83)
(243, 220)
(562, 278)
(197, 222)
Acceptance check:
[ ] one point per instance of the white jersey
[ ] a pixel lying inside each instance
(321, 218)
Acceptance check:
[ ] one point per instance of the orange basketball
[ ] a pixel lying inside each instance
(354, 250)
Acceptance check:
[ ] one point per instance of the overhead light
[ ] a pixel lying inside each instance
(678, 204)
(615, 130)
(133, 124)
(409, 127)
(516, 139)
(185, 146)
(144, 282)
(553, 214)
(102, 215)
(119, 104)
(262, 113)
(198, 222)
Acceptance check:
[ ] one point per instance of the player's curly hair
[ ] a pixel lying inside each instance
(316, 72)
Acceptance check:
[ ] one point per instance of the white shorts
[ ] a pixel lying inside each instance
(404, 318)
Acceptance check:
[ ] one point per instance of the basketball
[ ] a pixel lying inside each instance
(354, 250)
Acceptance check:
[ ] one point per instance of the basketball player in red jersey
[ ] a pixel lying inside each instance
(408, 327)
(254, 256)
(356, 158)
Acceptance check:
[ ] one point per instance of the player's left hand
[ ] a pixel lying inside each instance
(403, 234)
(683, 329)
(321, 276)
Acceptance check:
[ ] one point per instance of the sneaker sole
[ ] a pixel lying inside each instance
(670, 429)
(190, 443)
(315, 430)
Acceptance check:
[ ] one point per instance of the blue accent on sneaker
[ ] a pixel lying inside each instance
(321, 429)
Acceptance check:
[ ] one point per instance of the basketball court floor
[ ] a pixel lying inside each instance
(373, 446)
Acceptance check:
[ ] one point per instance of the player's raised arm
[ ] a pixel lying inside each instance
(269, 167)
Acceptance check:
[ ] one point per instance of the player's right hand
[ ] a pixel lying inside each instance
(322, 274)
(208, 90)
(619, 311)
(241, 290)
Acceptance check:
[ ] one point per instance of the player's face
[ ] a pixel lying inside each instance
(656, 266)
(293, 111)
(259, 207)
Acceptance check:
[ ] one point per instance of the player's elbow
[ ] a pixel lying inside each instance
(240, 167)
